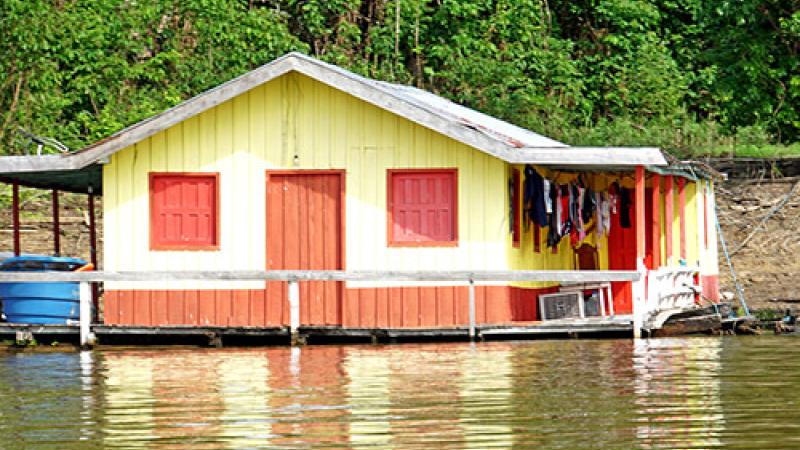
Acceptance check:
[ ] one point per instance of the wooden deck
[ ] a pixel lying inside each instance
(621, 325)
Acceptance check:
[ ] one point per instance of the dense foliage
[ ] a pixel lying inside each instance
(691, 76)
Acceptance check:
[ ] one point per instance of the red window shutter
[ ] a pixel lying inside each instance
(183, 211)
(423, 207)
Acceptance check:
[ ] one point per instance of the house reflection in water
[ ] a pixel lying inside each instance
(678, 392)
(648, 394)
(343, 397)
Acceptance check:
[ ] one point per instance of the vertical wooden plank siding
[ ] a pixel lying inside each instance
(669, 209)
(655, 200)
(305, 231)
(682, 214)
(293, 124)
(640, 216)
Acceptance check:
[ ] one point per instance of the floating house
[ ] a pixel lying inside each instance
(300, 164)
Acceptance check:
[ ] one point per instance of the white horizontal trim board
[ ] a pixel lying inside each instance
(567, 276)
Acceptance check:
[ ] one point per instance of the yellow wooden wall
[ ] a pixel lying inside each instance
(295, 122)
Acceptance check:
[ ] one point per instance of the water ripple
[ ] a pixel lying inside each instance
(682, 393)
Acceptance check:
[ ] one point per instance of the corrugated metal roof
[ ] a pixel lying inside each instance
(504, 132)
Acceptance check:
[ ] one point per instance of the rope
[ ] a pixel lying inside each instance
(736, 283)
(772, 212)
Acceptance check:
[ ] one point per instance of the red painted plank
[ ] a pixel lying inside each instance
(304, 232)
(682, 214)
(190, 299)
(350, 308)
(240, 308)
(258, 307)
(498, 304)
(206, 307)
(427, 306)
(222, 308)
(175, 308)
(462, 304)
(669, 208)
(158, 308)
(480, 304)
(382, 308)
(410, 301)
(140, 307)
(111, 307)
(639, 204)
(367, 307)
(445, 306)
(655, 240)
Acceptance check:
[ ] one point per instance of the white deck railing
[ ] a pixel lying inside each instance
(669, 290)
(295, 276)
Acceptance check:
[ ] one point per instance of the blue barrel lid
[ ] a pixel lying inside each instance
(36, 263)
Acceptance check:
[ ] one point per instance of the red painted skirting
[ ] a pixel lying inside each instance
(410, 307)
(710, 286)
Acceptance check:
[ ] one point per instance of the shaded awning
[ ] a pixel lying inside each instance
(85, 180)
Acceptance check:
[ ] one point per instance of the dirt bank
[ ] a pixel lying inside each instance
(760, 222)
(36, 223)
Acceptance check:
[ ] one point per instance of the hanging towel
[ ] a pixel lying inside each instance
(548, 201)
(553, 236)
(534, 197)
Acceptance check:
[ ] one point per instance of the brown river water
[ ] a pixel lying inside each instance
(683, 393)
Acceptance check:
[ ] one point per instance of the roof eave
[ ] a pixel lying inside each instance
(590, 156)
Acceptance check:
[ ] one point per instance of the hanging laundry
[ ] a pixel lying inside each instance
(553, 236)
(606, 214)
(548, 201)
(599, 226)
(583, 194)
(533, 197)
(613, 197)
(566, 222)
(588, 205)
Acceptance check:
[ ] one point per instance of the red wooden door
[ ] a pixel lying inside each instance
(305, 232)
(622, 256)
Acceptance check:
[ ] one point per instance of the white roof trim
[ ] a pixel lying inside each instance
(485, 133)
(591, 156)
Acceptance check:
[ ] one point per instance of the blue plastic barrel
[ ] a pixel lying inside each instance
(41, 303)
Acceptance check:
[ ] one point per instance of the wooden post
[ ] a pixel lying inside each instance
(639, 287)
(93, 251)
(15, 216)
(294, 309)
(92, 230)
(669, 206)
(471, 309)
(655, 196)
(56, 225)
(85, 311)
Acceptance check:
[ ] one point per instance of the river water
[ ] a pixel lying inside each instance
(684, 393)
